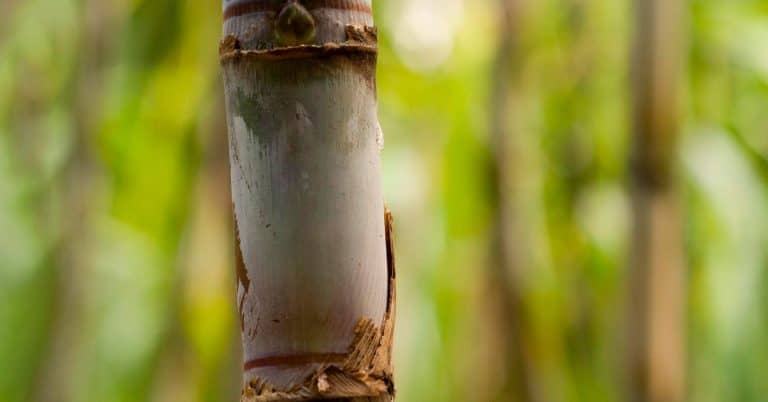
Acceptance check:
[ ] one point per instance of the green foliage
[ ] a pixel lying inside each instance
(115, 253)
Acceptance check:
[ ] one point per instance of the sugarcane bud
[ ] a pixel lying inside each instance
(294, 25)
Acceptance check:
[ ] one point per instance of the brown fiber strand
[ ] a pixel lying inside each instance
(228, 51)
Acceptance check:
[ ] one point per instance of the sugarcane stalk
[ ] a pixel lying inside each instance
(313, 246)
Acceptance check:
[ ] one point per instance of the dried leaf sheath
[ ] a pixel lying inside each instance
(315, 284)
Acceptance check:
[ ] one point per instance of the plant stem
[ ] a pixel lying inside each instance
(315, 287)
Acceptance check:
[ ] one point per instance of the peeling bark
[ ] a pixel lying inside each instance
(314, 256)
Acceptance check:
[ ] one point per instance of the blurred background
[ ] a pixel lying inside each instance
(507, 166)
